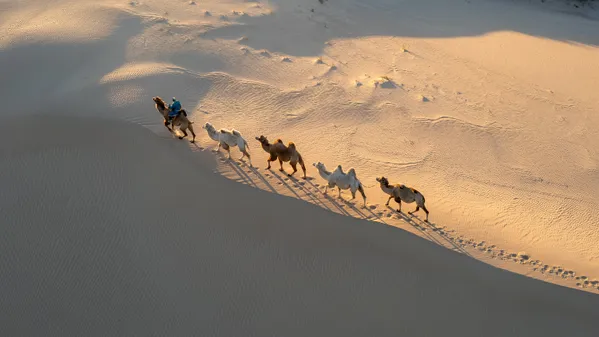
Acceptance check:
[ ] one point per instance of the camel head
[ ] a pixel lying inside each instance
(262, 139)
(319, 166)
(159, 101)
(383, 181)
(207, 126)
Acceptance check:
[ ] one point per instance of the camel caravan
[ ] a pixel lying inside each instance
(174, 115)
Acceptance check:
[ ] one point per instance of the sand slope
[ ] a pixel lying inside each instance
(488, 107)
(98, 241)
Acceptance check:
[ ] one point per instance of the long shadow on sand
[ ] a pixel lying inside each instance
(306, 190)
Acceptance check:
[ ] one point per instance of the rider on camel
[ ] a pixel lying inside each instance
(174, 108)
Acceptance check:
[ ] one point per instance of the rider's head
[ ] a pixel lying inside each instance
(174, 99)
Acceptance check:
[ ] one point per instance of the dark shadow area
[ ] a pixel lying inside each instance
(53, 69)
(68, 75)
(301, 32)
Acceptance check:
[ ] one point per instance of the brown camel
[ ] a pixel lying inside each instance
(283, 153)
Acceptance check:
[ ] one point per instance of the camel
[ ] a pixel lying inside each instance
(403, 193)
(283, 153)
(227, 139)
(180, 120)
(343, 181)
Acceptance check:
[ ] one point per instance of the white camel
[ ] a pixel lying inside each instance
(227, 139)
(403, 193)
(343, 181)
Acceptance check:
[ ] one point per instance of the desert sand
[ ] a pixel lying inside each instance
(112, 226)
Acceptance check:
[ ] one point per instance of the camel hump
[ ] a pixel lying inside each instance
(235, 132)
(279, 141)
(223, 131)
(414, 190)
(291, 145)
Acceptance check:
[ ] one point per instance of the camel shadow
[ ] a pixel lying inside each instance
(425, 228)
(304, 189)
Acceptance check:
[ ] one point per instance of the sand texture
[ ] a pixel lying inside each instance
(113, 226)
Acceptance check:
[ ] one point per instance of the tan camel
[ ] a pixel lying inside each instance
(343, 181)
(180, 120)
(283, 153)
(227, 139)
(403, 193)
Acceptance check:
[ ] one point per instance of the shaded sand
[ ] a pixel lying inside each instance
(109, 230)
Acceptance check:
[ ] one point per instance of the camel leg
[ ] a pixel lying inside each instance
(339, 192)
(361, 189)
(303, 167)
(228, 152)
(425, 211)
(166, 123)
(184, 133)
(399, 205)
(193, 133)
(218, 148)
(246, 154)
(281, 163)
(294, 166)
(414, 211)
(272, 158)
(387, 204)
(325, 189)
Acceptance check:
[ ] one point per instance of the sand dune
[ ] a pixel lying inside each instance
(100, 240)
(487, 107)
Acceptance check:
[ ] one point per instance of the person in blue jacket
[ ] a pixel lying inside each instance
(175, 107)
